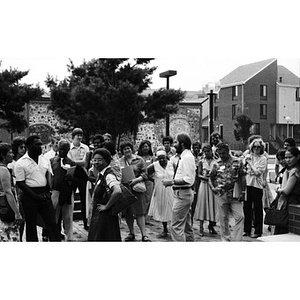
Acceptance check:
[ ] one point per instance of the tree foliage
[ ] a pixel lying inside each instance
(105, 95)
(162, 103)
(242, 128)
(13, 97)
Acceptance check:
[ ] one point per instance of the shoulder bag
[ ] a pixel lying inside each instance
(277, 217)
(125, 198)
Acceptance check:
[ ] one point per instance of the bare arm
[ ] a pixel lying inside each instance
(7, 188)
(289, 186)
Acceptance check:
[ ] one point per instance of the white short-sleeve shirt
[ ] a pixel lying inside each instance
(78, 153)
(34, 175)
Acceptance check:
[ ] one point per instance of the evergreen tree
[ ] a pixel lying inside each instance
(242, 128)
(13, 97)
(105, 95)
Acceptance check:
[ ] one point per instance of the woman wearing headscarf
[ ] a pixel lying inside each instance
(162, 197)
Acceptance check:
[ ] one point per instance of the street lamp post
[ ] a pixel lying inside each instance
(167, 75)
(288, 119)
(211, 88)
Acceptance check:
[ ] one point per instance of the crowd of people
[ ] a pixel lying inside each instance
(179, 184)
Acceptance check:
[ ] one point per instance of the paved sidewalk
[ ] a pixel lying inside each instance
(155, 228)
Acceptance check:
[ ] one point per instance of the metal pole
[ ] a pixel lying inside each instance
(200, 124)
(211, 113)
(168, 116)
(288, 134)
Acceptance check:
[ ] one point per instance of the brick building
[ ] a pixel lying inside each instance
(267, 93)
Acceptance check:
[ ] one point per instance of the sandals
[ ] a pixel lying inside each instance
(130, 237)
(163, 235)
(145, 239)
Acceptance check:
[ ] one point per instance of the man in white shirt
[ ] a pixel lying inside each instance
(54, 148)
(77, 153)
(33, 175)
(181, 228)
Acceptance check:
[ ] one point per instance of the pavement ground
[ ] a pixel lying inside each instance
(154, 228)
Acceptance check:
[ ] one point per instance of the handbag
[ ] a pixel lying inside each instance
(139, 187)
(125, 199)
(6, 212)
(277, 217)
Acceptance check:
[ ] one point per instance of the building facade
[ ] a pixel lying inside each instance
(266, 93)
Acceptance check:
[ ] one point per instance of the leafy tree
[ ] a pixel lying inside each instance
(162, 103)
(13, 96)
(105, 95)
(242, 128)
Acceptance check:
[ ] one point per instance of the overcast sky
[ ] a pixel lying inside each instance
(201, 41)
(191, 72)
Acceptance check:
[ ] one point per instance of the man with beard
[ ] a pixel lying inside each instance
(33, 175)
(183, 180)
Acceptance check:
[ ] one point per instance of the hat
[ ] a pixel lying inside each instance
(161, 152)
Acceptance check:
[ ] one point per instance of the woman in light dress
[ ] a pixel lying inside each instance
(206, 207)
(9, 231)
(162, 198)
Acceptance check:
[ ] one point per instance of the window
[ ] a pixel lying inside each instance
(255, 128)
(235, 92)
(216, 113)
(297, 94)
(234, 111)
(221, 131)
(263, 111)
(263, 92)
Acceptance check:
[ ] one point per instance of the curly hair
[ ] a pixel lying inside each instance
(16, 143)
(124, 145)
(145, 142)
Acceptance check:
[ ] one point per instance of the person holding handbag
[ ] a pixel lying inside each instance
(9, 230)
(139, 208)
(289, 192)
(104, 226)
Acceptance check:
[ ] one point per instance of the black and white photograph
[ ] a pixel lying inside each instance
(170, 128)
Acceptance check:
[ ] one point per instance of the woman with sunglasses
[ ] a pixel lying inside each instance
(255, 167)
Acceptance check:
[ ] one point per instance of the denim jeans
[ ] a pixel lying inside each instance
(181, 228)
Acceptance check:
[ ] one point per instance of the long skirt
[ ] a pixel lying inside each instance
(206, 207)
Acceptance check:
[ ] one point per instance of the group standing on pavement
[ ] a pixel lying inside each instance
(178, 184)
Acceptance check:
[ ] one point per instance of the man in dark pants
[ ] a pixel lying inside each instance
(78, 153)
(33, 173)
(196, 147)
(62, 188)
